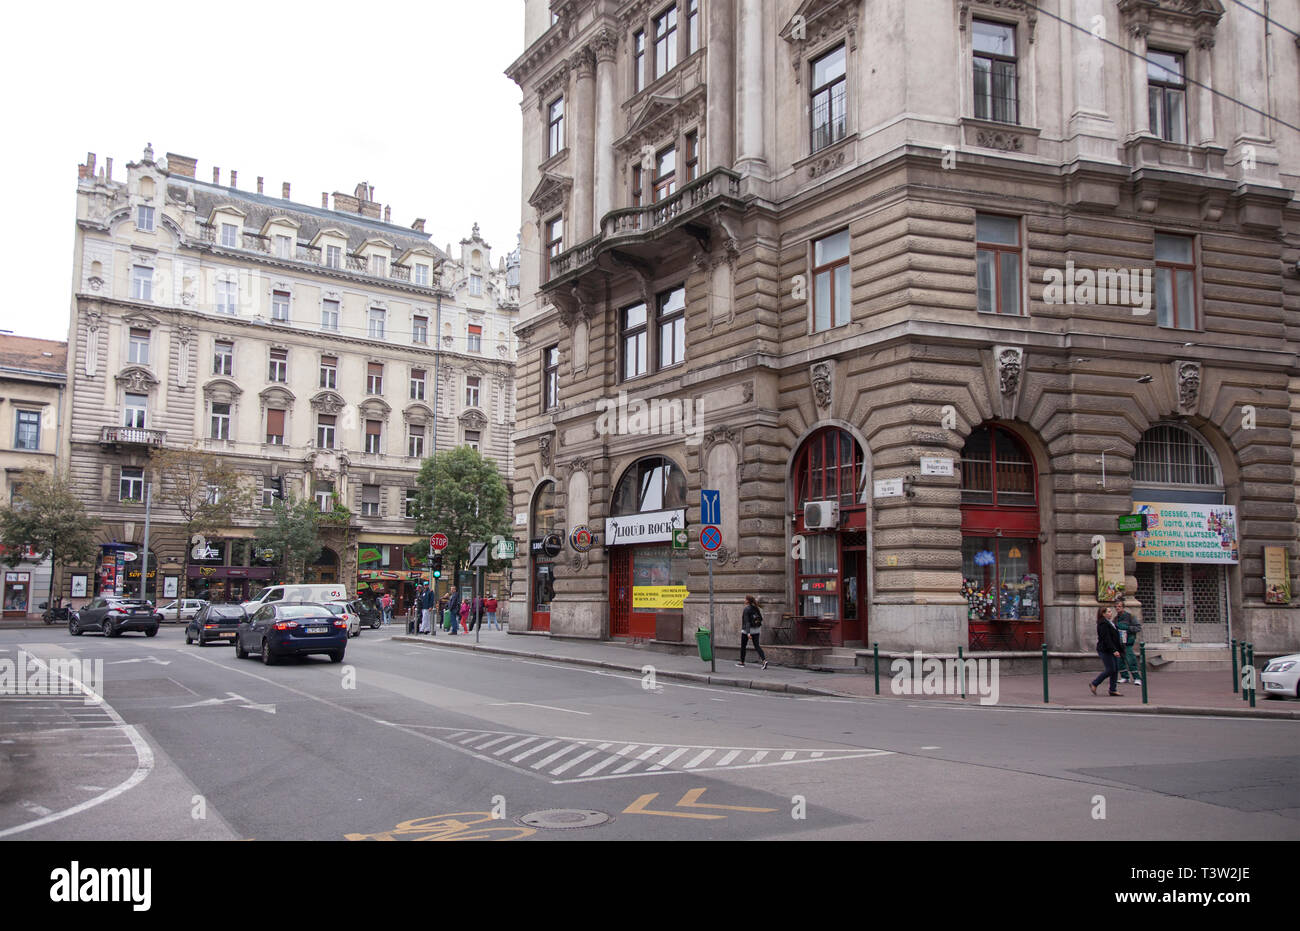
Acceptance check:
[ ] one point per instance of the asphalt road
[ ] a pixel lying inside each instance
(414, 742)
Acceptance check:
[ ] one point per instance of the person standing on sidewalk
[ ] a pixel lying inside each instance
(490, 609)
(1108, 648)
(453, 609)
(751, 622)
(387, 604)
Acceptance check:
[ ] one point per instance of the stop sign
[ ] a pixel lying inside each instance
(438, 541)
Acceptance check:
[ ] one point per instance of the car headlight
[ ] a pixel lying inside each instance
(1280, 667)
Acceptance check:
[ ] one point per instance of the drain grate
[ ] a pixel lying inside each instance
(564, 818)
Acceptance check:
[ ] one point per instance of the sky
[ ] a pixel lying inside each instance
(408, 96)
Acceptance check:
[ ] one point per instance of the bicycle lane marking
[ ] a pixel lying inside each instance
(448, 827)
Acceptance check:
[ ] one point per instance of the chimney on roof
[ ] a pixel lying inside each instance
(388, 214)
(418, 225)
(362, 191)
(345, 203)
(325, 200)
(181, 165)
(259, 184)
(234, 177)
(216, 175)
(87, 170)
(108, 169)
(284, 190)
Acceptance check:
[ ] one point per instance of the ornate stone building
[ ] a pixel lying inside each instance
(932, 293)
(324, 350)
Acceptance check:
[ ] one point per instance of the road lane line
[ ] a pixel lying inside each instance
(641, 758)
(527, 753)
(699, 758)
(757, 757)
(493, 743)
(612, 758)
(732, 754)
(528, 704)
(788, 755)
(548, 760)
(515, 745)
(564, 767)
(669, 758)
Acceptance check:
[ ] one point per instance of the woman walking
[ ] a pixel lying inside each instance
(1108, 648)
(750, 623)
(464, 616)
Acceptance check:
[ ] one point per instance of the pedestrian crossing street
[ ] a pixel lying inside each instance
(571, 759)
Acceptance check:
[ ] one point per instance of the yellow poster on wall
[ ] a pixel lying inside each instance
(1277, 576)
(658, 597)
(1110, 572)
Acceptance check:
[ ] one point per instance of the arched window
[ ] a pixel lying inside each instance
(829, 468)
(997, 469)
(1171, 454)
(544, 512)
(650, 484)
(544, 520)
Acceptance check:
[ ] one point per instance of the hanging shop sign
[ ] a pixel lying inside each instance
(655, 527)
(1110, 572)
(580, 538)
(1187, 533)
(1277, 576)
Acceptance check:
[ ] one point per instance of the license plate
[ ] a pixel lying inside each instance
(318, 630)
(230, 634)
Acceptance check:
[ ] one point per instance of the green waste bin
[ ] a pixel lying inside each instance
(705, 643)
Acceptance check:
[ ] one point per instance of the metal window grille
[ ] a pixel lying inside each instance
(1171, 455)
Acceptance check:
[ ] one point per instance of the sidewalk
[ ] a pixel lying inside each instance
(1190, 693)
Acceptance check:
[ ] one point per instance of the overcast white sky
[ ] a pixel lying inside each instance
(408, 96)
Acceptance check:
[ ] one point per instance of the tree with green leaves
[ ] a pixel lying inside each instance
(462, 495)
(48, 516)
(294, 533)
(205, 491)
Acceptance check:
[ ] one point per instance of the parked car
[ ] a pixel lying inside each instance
(315, 594)
(1281, 677)
(215, 624)
(372, 615)
(189, 608)
(344, 610)
(112, 616)
(279, 629)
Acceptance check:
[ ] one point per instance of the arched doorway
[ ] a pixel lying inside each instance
(324, 569)
(542, 553)
(649, 504)
(1191, 538)
(1000, 558)
(830, 568)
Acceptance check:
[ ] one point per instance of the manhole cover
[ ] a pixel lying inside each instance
(563, 818)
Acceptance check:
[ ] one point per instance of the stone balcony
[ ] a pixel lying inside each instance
(132, 436)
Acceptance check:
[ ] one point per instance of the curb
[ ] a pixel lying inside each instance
(792, 688)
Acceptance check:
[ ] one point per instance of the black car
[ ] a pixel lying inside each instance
(215, 624)
(371, 614)
(111, 616)
(281, 629)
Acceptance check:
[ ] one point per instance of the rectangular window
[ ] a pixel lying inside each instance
(223, 358)
(471, 391)
(417, 384)
(831, 287)
(555, 127)
(280, 306)
(374, 436)
(220, 421)
(665, 42)
(229, 235)
(1175, 282)
(141, 283)
(633, 327)
(550, 378)
(472, 438)
(268, 493)
(994, 51)
(638, 60)
(638, 184)
(333, 256)
(692, 156)
(136, 407)
(279, 367)
(27, 434)
(672, 327)
(144, 218)
(997, 264)
(476, 285)
(554, 241)
(283, 247)
(665, 179)
(323, 492)
(378, 265)
(138, 347)
(369, 500)
(411, 503)
(415, 441)
(377, 320)
(420, 330)
(131, 485)
(374, 378)
(475, 338)
(827, 105)
(421, 274)
(275, 427)
(227, 297)
(329, 314)
(1167, 95)
(324, 431)
(692, 26)
(329, 371)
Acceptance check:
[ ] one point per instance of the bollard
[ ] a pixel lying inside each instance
(961, 673)
(875, 650)
(1144, 672)
(1245, 692)
(1235, 674)
(1253, 676)
(1044, 673)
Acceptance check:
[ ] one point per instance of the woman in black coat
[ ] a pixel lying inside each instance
(1108, 648)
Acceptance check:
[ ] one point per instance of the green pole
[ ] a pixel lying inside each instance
(1235, 674)
(875, 650)
(961, 673)
(1252, 675)
(1144, 672)
(1245, 696)
(1044, 648)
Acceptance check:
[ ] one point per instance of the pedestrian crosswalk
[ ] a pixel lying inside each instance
(575, 759)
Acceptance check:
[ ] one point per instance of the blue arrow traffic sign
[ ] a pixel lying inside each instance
(710, 538)
(710, 506)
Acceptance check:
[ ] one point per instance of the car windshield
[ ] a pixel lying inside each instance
(302, 611)
(226, 611)
(335, 609)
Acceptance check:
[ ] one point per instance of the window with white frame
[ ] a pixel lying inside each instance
(325, 431)
(374, 378)
(329, 314)
(420, 329)
(369, 500)
(141, 283)
(280, 306)
(144, 218)
(471, 390)
(333, 256)
(229, 235)
(131, 484)
(472, 438)
(227, 296)
(220, 421)
(417, 384)
(275, 418)
(223, 357)
(283, 246)
(279, 366)
(323, 493)
(475, 343)
(329, 371)
(411, 503)
(135, 407)
(378, 265)
(421, 274)
(997, 95)
(374, 436)
(476, 285)
(377, 320)
(138, 346)
(415, 441)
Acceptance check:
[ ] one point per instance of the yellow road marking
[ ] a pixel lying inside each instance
(462, 825)
(691, 800)
(639, 808)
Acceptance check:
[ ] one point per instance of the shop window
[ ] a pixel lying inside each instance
(829, 467)
(997, 470)
(1000, 578)
(651, 484)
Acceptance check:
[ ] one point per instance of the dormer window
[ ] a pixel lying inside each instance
(333, 256)
(378, 265)
(421, 274)
(144, 219)
(229, 235)
(283, 247)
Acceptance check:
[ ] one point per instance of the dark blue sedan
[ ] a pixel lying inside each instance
(279, 629)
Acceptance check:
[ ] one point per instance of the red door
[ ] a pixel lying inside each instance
(620, 592)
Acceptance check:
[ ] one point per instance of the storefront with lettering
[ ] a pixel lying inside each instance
(543, 550)
(119, 569)
(649, 504)
(17, 594)
(230, 571)
(1192, 537)
(394, 569)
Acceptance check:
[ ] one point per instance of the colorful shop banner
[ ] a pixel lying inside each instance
(658, 597)
(1277, 576)
(1110, 572)
(1186, 533)
(367, 554)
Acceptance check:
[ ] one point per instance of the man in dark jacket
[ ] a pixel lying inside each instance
(454, 607)
(1108, 648)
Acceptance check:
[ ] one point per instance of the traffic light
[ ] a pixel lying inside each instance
(437, 565)
(277, 487)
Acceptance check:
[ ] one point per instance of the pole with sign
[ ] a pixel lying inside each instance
(710, 540)
(478, 558)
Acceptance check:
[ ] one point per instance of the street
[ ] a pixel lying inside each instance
(408, 741)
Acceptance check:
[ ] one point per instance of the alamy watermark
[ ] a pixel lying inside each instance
(1122, 287)
(654, 416)
(934, 676)
(29, 676)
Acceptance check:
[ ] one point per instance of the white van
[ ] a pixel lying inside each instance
(317, 594)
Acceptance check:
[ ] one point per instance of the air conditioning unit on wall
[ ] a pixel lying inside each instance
(821, 515)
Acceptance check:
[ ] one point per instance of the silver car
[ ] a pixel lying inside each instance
(341, 609)
(189, 608)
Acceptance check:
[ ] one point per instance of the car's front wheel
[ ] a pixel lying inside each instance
(74, 629)
(268, 658)
(106, 628)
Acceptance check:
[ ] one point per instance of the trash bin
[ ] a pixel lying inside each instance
(705, 644)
